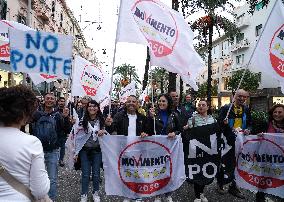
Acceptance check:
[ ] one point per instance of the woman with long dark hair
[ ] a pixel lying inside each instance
(87, 147)
(166, 123)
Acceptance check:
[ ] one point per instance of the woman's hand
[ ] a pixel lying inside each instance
(108, 121)
(101, 132)
(75, 158)
(144, 135)
(171, 135)
(186, 127)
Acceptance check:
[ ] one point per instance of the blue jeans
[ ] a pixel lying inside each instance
(51, 163)
(62, 149)
(90, 161)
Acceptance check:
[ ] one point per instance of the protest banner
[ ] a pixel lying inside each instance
(268, 56)
(165, 32)
(89, 79)
(260, 163)
(204, 153)
(136, 167)
(38, 78)
(4, 37)
(126, 91)
(40, 52)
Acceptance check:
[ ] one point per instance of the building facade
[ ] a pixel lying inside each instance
(233, 55)
(49, 16)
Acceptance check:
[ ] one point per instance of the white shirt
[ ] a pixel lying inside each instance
(22, 156)
(132, 125)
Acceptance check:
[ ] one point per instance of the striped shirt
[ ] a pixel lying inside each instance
(200, 121)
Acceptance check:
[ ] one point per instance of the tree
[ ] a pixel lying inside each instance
(250, 82)
(205, 26)
(202, 90)
(124, 74)
(159, 76)
(147, 66)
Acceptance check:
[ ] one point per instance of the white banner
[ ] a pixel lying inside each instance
(89, 79)
(4, 37)
(137, 167)
(167, 34)
(126, 91)
(268, 57)
(40, 52)
(260, 163)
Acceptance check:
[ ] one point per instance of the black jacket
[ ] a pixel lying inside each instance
(121, 122)
(172, 124)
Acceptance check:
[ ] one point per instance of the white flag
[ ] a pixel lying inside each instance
(38, 78)
(166, 33)
(4, 37)
(268, 57)
(143, 96)
(126, 91)
(136, 167)
(89, 79)
(104, 102)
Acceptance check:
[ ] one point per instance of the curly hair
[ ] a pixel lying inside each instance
(16, 103)
(87, 118)
(270, 112)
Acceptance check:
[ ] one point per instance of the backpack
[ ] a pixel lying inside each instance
(45, 131)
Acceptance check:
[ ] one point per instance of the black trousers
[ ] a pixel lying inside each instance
(198, 189)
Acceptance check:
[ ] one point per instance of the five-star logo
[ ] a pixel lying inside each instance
(276, 51)
(262, 168)
(91, 79)
(161, 34)
(145, 172)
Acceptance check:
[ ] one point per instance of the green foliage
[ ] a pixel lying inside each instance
(259, 121)
(160, 76)
(202, 90)
(250, 82)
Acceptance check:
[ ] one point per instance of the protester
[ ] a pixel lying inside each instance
(84, 101)
(87, 147)
(275, 125)
(128, 122)
(21, 155)
(200, 119)
(188, 105)
(49, 127)
(64, 111)
(166, 123)
(239, 118)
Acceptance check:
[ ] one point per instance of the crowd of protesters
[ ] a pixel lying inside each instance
(34, 159)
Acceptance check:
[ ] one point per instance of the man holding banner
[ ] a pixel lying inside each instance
(237, 117)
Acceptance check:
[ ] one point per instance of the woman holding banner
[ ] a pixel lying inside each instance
(87, 147)
(195, 124)
(166, 123)
(275, 125)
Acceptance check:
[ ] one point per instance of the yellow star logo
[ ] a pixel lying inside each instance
(136, 174)
(277, 171)
(163, 170)
(277, 46)
(127, 173)
(146, 174)
(155, 173)
(282, 52)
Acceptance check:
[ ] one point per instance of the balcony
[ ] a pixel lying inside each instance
(242, 22)
(42, 10)
(243, 44)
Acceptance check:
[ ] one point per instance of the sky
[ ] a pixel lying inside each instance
(104, 13)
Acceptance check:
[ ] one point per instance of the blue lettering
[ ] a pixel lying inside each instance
(16, 57)
(44, 65)
(30, 61)
(29, 40)
(54, 63)
(67, 67)
(54, 44)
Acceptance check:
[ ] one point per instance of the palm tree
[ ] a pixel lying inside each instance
(147, 66)
(159, 76)
(205, 26)
(126, 73)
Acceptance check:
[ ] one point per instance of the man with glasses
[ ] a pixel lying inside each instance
(239, 118)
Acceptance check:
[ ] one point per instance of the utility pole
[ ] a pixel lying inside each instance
(29, 25)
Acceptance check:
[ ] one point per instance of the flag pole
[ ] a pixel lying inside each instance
(113, 60)
(152, 97)
(246, 68)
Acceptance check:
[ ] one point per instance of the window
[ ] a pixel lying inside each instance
(258, 30)
(240, 37)
(240, 59)
(3, 9)
(226, 82)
